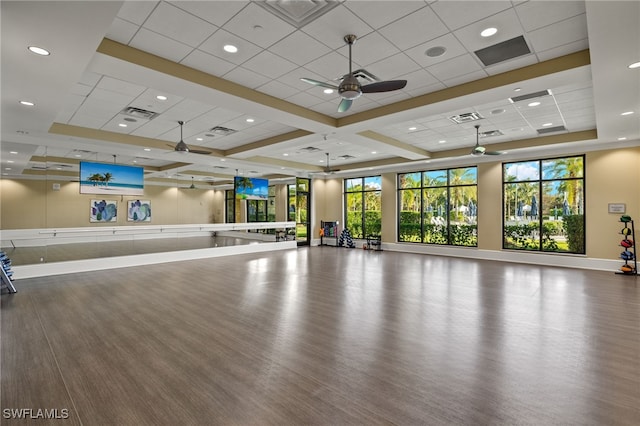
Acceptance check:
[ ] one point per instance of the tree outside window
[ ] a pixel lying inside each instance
(439, 207)
(363, 208)
(544, 205)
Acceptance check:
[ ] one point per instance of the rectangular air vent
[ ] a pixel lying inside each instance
(346, 157)
(310, 149)
(504, 51)
(222, 131)
(466, 117)
(490, 133)
(529, 96)
(546, 130)
(139, 113)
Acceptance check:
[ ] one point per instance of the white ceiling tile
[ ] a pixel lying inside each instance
(331, 66)
(160, 45)
(121, 31)
(456, 67)
(511, 64)
(305, 99)
(393, 67)
(558, 34)
(120, 86)
(453, 48)
(258, 26)
(418, 79)
(215, 44)
(179, 25)
(246, 77)
(372, 48)
(565, 49)
(537, 14)
(89, 121)
(422, 90)
(331, 27)
(205, 62)
(269, 64)
(299, 48)
(277, 89)
(457, 14)
(415, 29)
(506, 22)
(147, 100)
(137, 11)
(215, 12)
(292, 79)
(380, 13)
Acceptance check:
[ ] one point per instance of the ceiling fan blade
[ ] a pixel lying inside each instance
(384, 86)
(345, 104)
(319, 83)
(195, 151)
(493, 153)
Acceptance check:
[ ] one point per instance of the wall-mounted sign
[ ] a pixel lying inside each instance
(617, 208)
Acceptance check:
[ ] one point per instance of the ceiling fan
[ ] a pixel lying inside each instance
(183, 147)
(350, 88)
(327, 169)
(479, 150)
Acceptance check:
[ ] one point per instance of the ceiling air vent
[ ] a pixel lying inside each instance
(503, 51)
(490, 133)
(346, 157)
(139, 113)
(529, 96)
(466, 117)
(546, 130)
(221, 131)
(310, 149)
(220, 167)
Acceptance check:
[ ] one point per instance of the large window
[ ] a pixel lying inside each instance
(230, 205)
(362, 206)
(439, 207)
(544, 205)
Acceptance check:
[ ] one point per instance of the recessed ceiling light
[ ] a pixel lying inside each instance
(222, 159)
(135, 161)
(39, 51)
(250, 120)
(498, 111)
(13, 152)
(285, 154)
(534, 104)
(547, 124)
(627, 113)
(517, 89)
(328, 91)
(147, 149)
(635, 65)
(230, 48)
(434, 52)
(122, 125)
(161, 98)
(622, 139)
(77, 155)
(374, 152)
(442, 141)
(10, 161)
(199, 139)
(27, 103)
(412, 128)
(488, 32)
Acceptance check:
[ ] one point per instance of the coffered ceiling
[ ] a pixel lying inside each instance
(554, 78)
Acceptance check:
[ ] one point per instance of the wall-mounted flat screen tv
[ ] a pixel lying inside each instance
(116, 179)
(248, 188)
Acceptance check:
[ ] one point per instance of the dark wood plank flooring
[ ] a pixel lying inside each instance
(325, 336)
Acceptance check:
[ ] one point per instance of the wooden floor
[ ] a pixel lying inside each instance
(326, 336)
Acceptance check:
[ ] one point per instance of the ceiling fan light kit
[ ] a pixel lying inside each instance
(350, 87)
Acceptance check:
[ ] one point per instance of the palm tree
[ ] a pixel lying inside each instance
(95, 178)
(108, 177)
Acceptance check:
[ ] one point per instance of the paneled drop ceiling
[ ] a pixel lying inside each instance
(558, 83)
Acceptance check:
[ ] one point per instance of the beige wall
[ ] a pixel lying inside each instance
(29, 204)
(611, 177)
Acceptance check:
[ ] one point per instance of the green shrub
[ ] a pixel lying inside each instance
(574, 230)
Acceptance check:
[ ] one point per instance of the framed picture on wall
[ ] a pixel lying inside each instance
(139, 211)
(103, 211)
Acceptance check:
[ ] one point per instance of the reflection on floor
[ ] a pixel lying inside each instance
(98, 249)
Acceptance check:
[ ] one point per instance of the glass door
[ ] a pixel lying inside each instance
(302, 211)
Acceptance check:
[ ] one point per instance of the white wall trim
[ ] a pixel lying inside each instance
(74, 266)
